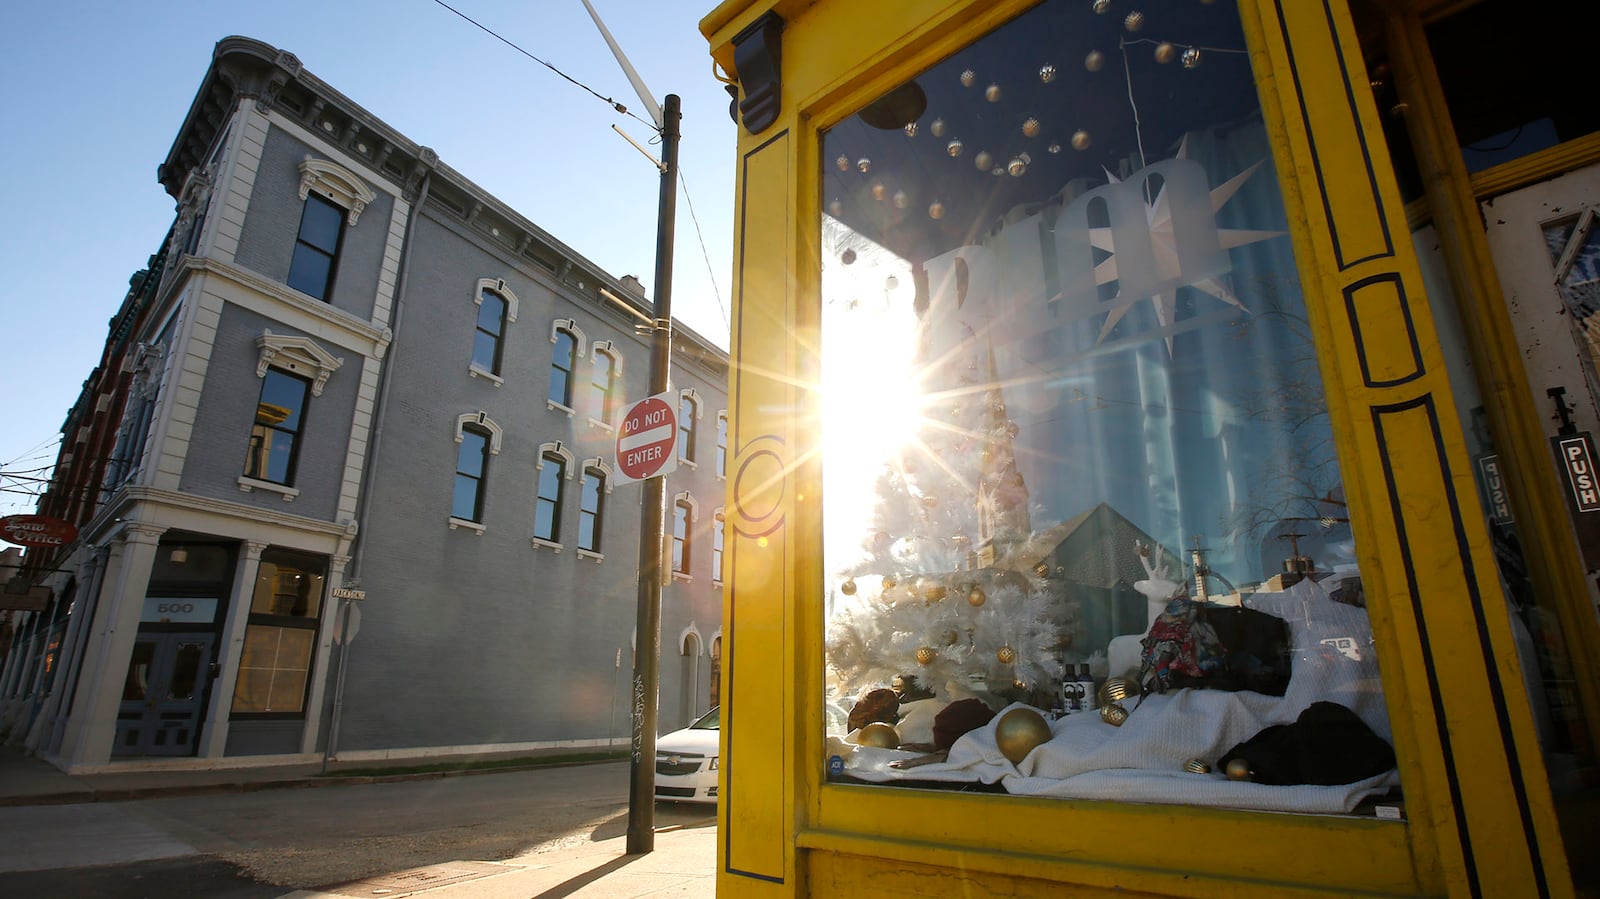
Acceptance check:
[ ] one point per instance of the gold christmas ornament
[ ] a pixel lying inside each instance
(1047, 73)
(952, 637)
(848, 588)
(954, 147)
(889, 582)
(1134, 21)
(926, 655)
(1042, 569)
(880, 734)
(879, 191)
(1197, 766)
(1165, 52)
(936, 210)
(1113, 714)
(992, 93)
(864, 164)
(843, 162)
(930, 500)
(982, 161)
(1005, 655)
(1019, 683)
(937, 127)
(1080, 140)
(911, 129)
(1239, 769)
(1054, 147)
(1030, 128)
(1100, 6)
(1016, 167)
(1116, 689)
(835, 208)
(1094, 61)
(976, 597)
(968, 78)
(901, 200)
(1019, 731)
(1191, 57)
(934, 591)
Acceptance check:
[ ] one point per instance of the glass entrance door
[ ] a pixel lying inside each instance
(1546, 248)
(163, 696)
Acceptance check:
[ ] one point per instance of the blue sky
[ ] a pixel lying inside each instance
(97, 90)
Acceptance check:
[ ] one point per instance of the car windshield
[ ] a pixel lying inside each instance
(712, 720)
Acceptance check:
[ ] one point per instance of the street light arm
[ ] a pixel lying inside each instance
(627, 68)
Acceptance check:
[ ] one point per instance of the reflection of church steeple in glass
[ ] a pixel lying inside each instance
(1003, 521)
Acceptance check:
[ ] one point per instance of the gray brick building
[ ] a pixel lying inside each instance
(347, 371)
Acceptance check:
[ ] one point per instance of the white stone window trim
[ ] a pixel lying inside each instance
(599, 464)
(477, 527)
(297, 355)
(497, 285)
(482, 420)
(580, 343)
(597, 557)
(540, 542)
(477, 371)
(337, 183)
(688, 393)
(248, 484)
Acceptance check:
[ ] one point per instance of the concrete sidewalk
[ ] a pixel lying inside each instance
(682, 864)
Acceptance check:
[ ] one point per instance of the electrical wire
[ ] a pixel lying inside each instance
(711, 274)
(607, 100)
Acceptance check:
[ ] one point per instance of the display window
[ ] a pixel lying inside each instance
(1084, 530)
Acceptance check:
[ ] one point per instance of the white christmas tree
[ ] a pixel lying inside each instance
(947, 584)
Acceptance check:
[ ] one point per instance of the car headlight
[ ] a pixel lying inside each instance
(713, 765)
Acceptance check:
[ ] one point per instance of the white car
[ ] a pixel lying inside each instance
(686, 760)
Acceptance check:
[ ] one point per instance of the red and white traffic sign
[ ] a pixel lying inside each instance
(647, 442)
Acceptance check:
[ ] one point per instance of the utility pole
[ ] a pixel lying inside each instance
(647, 628)
(646, 661)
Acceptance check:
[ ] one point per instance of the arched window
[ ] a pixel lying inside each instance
(688, 412)
(489, 336)
(562, 362)
(472, 470)
(722, 444)
(682, 518)
(590, 508)
(716, 546)
(603, 385)
(547, 506)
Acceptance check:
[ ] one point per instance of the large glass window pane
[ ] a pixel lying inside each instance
(680, 538)
(486, 337)
(316, 247)
(472, 456)
(275, 436)
(547, 508)
(1084, 529)
(561, 362)
(589, 510)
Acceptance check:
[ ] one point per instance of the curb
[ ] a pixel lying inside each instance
(128, 794)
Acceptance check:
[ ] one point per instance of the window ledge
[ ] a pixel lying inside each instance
(547, 544)
(680, 576)
(552, 404)
(689, 462)
(248, 484)
(586, 554)
(485, 374)
(597, 423)
(476, 527)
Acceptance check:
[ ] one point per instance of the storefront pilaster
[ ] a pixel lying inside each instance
(215, 741)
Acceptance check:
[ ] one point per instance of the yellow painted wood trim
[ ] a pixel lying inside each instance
(1536, 167)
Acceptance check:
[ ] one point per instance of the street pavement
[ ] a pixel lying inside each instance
(254, 833)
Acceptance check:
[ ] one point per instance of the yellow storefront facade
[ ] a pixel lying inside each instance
(1163, 431)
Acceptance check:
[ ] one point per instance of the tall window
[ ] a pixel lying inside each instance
(680, 536)
(589, 508)
(722, 444)
(561, 365)
(275, 437)
(316, 248)
(547, 508)
(472, 468)
(486, 340)
(716, 546)
(281, 634)
(687, 406)
(603, 385)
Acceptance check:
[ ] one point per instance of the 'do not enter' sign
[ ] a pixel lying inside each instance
(647, 440)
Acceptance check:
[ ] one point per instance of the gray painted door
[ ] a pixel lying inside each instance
(164, 694)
